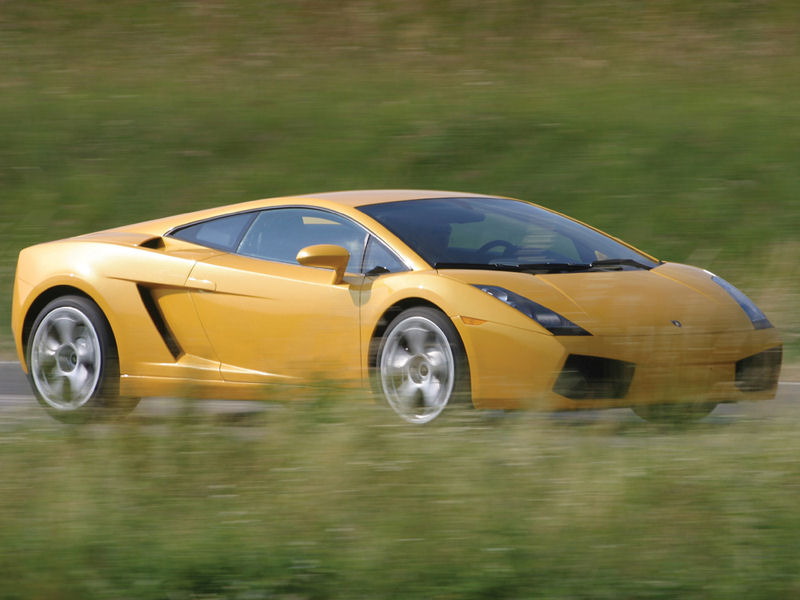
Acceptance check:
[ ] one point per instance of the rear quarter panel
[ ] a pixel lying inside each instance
(107, 273)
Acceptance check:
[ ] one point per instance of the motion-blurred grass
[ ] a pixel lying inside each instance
(672, 124)
(335, 500)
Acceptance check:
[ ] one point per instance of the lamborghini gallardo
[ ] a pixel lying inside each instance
(429, 299)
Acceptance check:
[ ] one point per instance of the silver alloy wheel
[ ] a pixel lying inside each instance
(66, 359)
(417, 369)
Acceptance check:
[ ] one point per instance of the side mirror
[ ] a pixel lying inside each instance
(325, 256)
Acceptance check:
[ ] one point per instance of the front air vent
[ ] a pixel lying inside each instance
(759, 373)
(594, 378)
(159, 322)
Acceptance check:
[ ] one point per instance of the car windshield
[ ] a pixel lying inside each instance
(500, 233)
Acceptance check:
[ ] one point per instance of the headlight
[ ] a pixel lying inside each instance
(757, 317)
(552, 321)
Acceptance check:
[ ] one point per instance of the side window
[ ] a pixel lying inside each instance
(280, 233)
(379, 259)
(223, 233)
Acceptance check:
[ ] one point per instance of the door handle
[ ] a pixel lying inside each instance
(201, 284)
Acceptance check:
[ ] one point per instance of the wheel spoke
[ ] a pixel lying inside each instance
(78, 379)
(407, 392)
(65, 327)
(431, 393)
(439, 365)
(416, 337)
(57, 385)
(50, 342)
(47, 360)
(85, 352)
(398, 360)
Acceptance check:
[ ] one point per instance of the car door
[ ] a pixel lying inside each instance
(271, 319)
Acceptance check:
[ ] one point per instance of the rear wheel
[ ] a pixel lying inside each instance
(421, 365)
(674, 413)
(72, 362)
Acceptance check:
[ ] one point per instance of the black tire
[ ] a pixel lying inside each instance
(421, 365)
(674, 414)
(73, 366)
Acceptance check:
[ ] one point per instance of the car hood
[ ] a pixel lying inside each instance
(669, 299)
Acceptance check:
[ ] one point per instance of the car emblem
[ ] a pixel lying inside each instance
(677, 323)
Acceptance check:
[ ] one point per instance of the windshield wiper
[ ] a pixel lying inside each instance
(515, 267)
(483, 266)
(620, 262)
(545, 267)
(606, 264)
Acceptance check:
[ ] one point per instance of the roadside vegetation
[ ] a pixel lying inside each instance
(331, 499)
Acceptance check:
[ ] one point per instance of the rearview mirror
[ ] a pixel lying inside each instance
(325, 256)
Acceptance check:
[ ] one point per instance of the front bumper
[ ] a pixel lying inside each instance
(514, 368)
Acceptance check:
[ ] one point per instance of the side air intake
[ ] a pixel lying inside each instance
(158, 320)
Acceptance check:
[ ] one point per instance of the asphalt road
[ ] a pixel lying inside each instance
(12, 380)
(17, 403)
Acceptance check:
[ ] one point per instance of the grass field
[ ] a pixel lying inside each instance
(672, 124)
(333, 500)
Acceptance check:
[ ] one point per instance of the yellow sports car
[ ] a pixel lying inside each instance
(433, 297)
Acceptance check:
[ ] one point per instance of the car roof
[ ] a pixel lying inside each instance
(365, 197)
(350, 199)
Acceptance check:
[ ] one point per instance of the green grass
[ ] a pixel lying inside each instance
(341, 501)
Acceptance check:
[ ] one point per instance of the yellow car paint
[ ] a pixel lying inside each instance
(237, 323)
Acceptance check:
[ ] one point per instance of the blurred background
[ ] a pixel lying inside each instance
(673, 124)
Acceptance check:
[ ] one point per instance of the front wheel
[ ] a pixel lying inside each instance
(674, 413)
(421, 365)
(72, 362)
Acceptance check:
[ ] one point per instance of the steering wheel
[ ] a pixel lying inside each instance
(508, 247)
